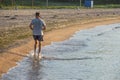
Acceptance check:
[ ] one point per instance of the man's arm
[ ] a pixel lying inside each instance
(31, 26)
(44, 27)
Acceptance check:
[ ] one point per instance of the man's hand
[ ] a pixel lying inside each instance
(44, 28)
(31, 26)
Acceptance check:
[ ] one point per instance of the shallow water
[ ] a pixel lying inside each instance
(91, 54)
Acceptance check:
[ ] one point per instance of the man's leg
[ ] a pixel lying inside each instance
(39, 49)
(35, 48)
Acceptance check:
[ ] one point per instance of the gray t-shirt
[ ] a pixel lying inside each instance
(37, 26)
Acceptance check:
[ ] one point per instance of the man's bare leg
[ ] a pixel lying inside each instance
(35, 49)
(39, 50)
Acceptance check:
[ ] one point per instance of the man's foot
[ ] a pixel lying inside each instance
(39, 56)
(35, 58)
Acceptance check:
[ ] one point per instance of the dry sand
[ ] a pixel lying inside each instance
(9, 58)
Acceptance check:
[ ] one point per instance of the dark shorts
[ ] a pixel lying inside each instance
(38, 37)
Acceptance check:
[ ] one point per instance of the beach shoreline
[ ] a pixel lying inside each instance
(9, 58)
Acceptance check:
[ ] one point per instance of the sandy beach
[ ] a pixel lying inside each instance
(9, 58)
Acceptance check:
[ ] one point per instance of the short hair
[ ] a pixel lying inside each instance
(37, 14)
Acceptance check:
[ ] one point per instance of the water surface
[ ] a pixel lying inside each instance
(92, 54)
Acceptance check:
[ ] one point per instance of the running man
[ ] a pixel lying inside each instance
(37, 25)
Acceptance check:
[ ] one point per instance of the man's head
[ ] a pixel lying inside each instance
(37, 14)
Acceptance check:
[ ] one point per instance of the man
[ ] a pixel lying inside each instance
(37, 25)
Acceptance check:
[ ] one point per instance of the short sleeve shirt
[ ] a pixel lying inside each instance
(37, 26)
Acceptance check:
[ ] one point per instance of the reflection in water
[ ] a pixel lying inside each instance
(34, 73)
(27, 69)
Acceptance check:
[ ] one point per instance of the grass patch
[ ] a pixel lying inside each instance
(107, 6)
(9, 36)
(59, 7)
(40, 7)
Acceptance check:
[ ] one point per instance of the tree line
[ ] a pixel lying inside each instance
(20, 2)
(96, 1)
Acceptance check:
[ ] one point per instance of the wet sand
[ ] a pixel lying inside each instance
(11, 56)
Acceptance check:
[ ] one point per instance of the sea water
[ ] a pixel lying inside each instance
(92, 54)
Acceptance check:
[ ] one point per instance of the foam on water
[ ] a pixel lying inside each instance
(91, 54)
